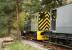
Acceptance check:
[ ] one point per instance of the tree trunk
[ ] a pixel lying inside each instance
(17, 15)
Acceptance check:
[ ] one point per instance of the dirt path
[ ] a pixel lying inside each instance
(3, 39)
(33, 44)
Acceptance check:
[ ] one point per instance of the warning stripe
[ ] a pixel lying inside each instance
(44, 22)
(40, 20)
(54, 17)
(46, 27)
(46, 15)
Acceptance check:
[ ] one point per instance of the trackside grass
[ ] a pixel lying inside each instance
(19, 46)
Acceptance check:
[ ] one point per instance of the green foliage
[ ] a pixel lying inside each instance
(22, 17)
(7, 6)
(3, 32)
(51, 4)
(31, 7)
(8, 19)
(3, 25)
(7, 10)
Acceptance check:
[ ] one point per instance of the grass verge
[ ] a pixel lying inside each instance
(19, 46)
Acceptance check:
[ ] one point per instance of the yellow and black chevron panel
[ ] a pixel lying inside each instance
(44, 22)
(54, 15)
(53, 20)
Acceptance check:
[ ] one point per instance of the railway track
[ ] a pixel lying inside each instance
(53, 46)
